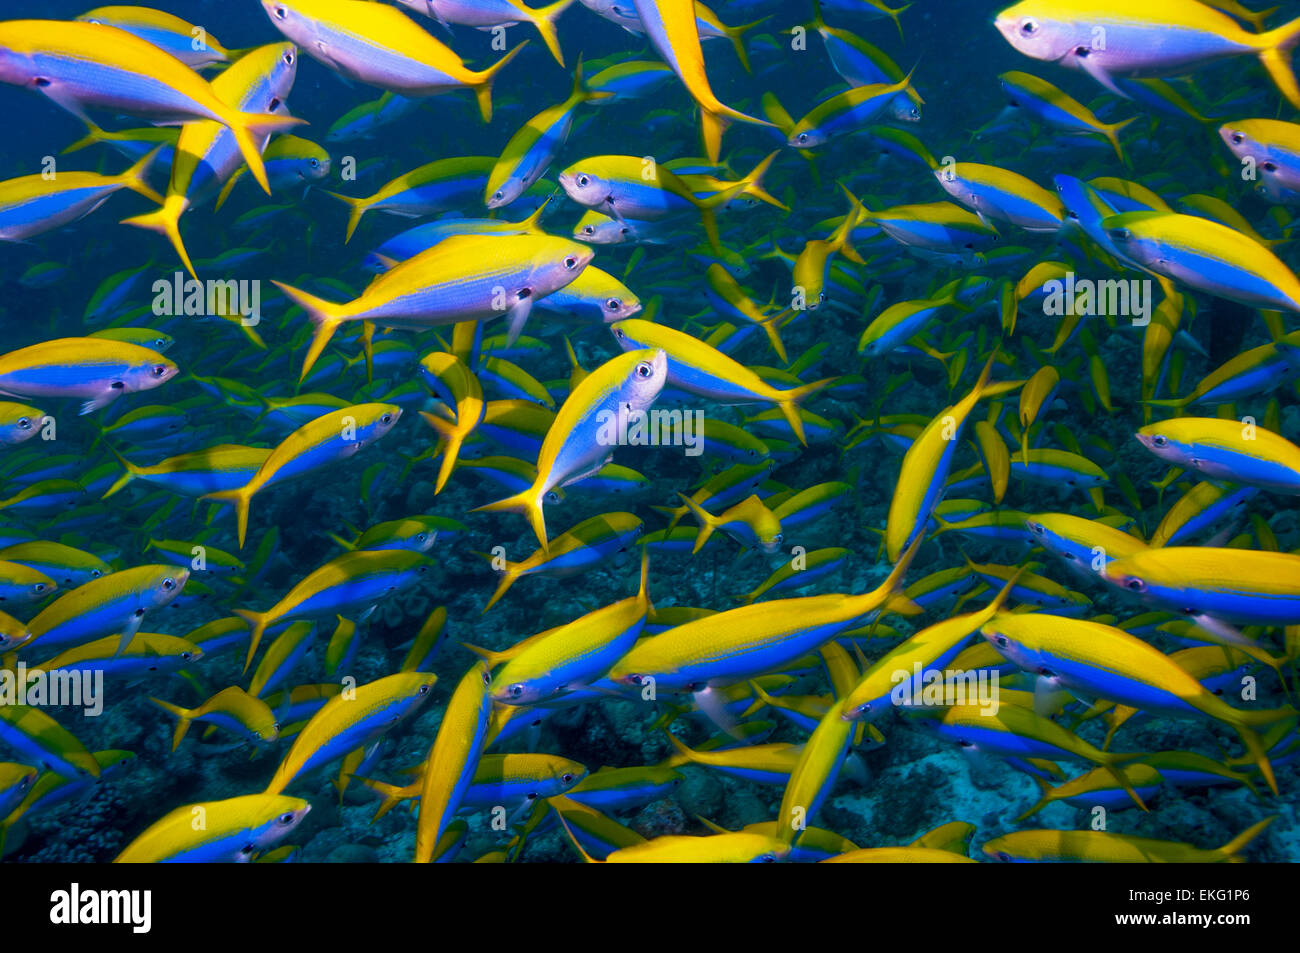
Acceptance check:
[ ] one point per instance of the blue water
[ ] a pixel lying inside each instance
(892, 793)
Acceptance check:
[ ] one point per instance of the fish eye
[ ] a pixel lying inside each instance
(644, 370)
(1160, 440)
(39, 587)
(288, 58)
(1238, 138)
(768, 859)
(583, 180)
(1028, 26)
(1135, 584)
(1119, 234)
(803, 137)
(169, 584)
(186, 656)
(281, 12)
(567, 777)
(613, 304)
(275, 727)
(498, 194)
(914, 113)
(1000, 641)
(618, 333)
(95, 574)
(588, 230)
(625, 231)
(315, 163)
(1003, 856)
(516, 691)
(24, 423)
(421, 537)
(386, 418)
(286, 817)
(1270, 166)
(571, 262)
(778, 538)
(1037, 529)
(424, 689)
(159, 370)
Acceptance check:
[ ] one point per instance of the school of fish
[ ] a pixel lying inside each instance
(724, 475)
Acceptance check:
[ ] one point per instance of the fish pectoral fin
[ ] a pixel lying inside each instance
(1090, 65)
(517, 317)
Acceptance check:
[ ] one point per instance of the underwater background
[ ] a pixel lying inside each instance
(893, 792)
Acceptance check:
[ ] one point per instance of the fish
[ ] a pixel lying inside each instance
(581, 439)
(353, 581)
(355, 719)
(327, 439)
(82, 66)
(454, 281)
(1142, 39)
(233, 831)
(381, 46)
(97, 370)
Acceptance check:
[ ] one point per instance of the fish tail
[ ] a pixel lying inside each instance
(712, 127)
(708, 523)
(227, 189)
(529, 503)
(132, 471)
(233, 55)
(1042, 801)
(483, 87)
(790, 400)
(241, 500)
(676, 512)
(586, 857)
(1239, 843)
(166, 220)
(325, 315)
(772, 326)
(532, 225)
(451, 440)
(735, 33)
(1275, 48)
(544, 19)
(508, 578)
(356, 208)
(1118, 774)
(1111, 132)
(257, 625)
(643, 591)
(94, 135)
(487, 655)
(777, 114)
(184, 719)
(342, 542)
(134, 177)
(754, 183)
(393, 795)
(892, 587)
(894, 15)
(248, 128)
